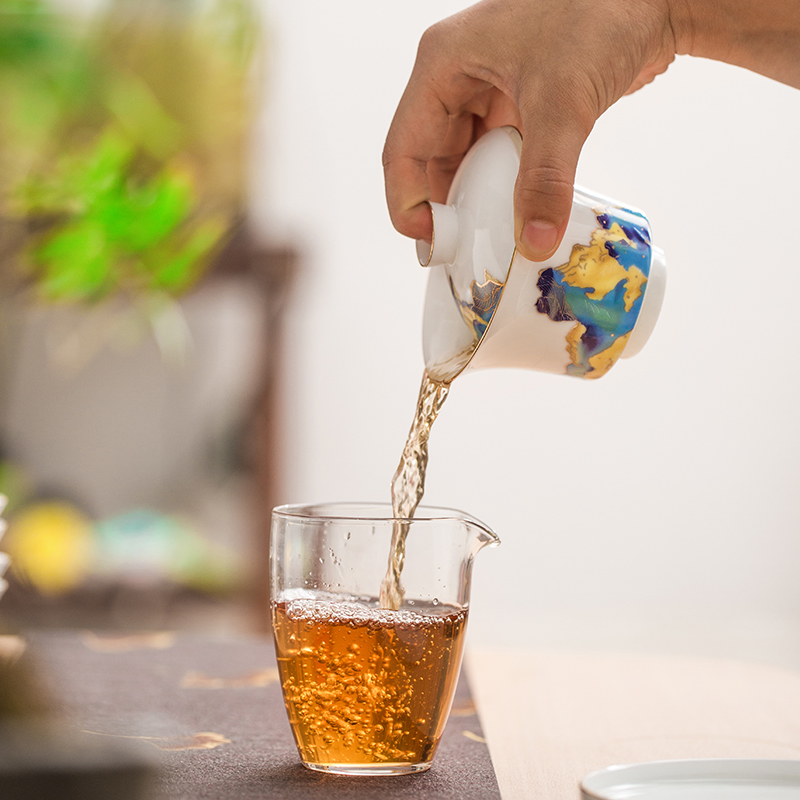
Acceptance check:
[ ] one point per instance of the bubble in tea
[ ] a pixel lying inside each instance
(365, 685)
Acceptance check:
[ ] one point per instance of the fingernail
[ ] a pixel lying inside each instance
(539, 238)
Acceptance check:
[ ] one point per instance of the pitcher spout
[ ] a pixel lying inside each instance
(481, 534)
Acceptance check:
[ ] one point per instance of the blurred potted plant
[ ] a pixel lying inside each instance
(123, 141)
(123, 161)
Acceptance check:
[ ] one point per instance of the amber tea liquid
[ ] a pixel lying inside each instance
(408, 483)
(365, 685)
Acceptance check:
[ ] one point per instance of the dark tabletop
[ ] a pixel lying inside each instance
(211, 714)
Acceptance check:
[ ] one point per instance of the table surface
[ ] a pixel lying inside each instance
(550, 718)
(211, 712)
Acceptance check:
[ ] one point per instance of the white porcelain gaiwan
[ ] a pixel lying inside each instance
(596, 300)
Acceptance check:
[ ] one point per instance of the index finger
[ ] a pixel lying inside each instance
(415, 137)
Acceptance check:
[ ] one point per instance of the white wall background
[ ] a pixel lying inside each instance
(658, 508)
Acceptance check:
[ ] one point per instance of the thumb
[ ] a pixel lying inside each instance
(551, 145)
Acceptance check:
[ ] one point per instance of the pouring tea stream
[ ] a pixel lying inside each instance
(596, 300)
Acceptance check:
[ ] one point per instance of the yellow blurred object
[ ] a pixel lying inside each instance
(51, 545)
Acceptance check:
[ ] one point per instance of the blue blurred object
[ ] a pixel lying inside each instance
(144, 547)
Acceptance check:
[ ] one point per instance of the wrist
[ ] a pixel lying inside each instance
(687, 26)
(763, 37)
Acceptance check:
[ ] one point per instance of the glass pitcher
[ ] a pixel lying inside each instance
(368, 690)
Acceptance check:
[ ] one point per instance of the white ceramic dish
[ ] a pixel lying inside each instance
(703, 779)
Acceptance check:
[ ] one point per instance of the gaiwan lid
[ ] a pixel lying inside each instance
(575, 314)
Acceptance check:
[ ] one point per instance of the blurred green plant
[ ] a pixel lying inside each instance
(122, 144)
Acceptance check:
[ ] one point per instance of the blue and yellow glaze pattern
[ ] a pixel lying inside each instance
(601, 289)
(485, 297)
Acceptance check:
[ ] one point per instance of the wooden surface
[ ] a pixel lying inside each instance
(551, 718)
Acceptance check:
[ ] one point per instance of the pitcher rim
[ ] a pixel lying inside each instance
(295, 511)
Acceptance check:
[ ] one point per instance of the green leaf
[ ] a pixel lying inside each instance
(95, 177)
(139, 217)
(79, 182)
(176, 272)
(74, 262)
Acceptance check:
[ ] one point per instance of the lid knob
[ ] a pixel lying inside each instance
(444, 241)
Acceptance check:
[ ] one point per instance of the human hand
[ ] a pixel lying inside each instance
(551, 68)
(547, 67)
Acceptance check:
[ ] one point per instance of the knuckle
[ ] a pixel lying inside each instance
(543, 180)
(387, 156)
(433, 38)
(547, 187)
(564, 96)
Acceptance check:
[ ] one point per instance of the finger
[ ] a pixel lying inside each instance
(554, 132)
(460, 136)
(415, 137)
(488, 108)
(431, 130)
